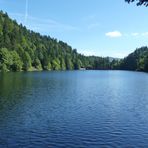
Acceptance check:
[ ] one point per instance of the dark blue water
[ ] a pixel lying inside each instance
(87, 109)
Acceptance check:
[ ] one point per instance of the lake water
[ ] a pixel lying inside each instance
(73, 109)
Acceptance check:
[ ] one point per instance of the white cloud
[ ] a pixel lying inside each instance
(114, 34)
(42, 25)
(145, 34)
(135, 34)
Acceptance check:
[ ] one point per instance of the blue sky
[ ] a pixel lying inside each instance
(107, 28)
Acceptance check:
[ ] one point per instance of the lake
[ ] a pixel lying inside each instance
(73, 109)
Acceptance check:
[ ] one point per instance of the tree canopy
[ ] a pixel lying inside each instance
(138, 60)
(24, 50)
(139, 2)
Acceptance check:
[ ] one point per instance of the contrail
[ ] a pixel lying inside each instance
(26, 12)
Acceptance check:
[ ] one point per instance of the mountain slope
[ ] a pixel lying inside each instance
(22, 49)
(137, 61)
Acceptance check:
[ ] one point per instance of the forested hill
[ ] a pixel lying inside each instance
(23, 49)
(136, 61)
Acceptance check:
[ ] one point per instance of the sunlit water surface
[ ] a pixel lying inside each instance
(72, 109)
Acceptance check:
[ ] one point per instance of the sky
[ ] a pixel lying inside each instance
(94, 27)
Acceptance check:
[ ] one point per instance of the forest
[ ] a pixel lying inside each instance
(136, 61)
(24, 50)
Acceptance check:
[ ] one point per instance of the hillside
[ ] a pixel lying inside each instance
(136, 61)
(24, 50)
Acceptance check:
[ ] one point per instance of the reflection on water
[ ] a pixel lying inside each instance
(74, 109)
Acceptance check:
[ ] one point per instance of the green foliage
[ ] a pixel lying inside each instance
(56, 64)
(139, 2)
(16, 61)
(49, 66)
(10, 60)
(26, 61)
(62, 64)
(22, 49)
(3, 67)
(146, 63)
(78, 64)
(37, 64)
(69, 64)
(138, 60)
(5, 59)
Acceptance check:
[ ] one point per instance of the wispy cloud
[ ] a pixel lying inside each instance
(90, 17)
(93, 26)
(145, 34)
(135, 34)
(26, 11)
(16, 14)
(43, 25)
(91, 21)
(114, 34)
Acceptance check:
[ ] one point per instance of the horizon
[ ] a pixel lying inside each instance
(91, 33)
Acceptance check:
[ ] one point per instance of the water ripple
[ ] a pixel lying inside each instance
(74, 109)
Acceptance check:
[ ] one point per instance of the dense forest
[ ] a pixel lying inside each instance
(24, 50)
(136, 61)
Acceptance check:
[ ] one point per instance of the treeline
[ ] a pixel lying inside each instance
(25, 50)
(136, 61)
